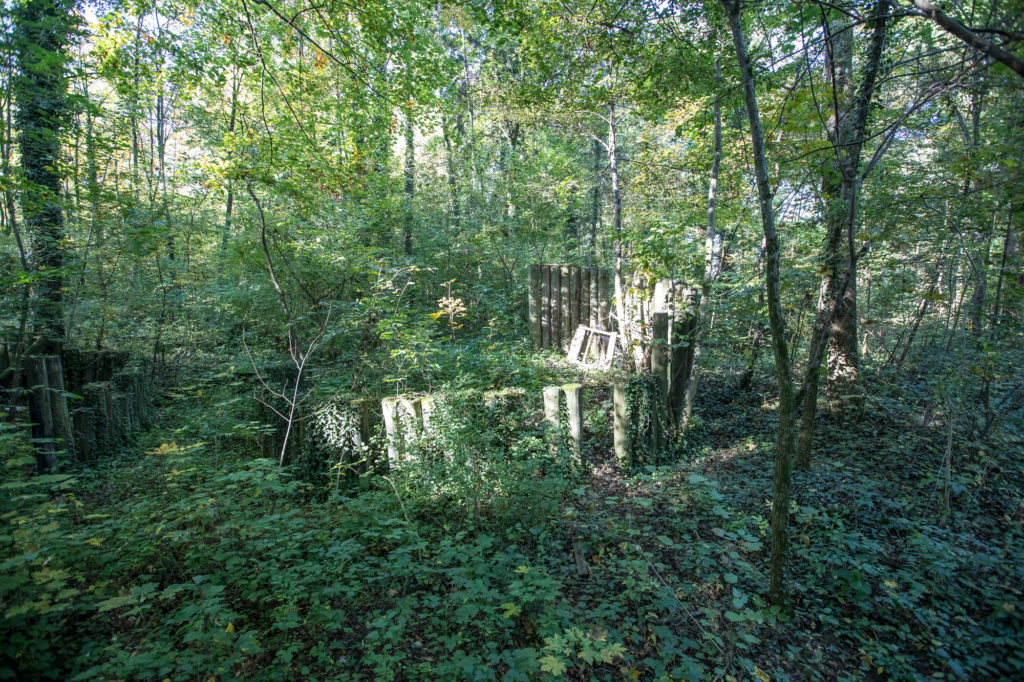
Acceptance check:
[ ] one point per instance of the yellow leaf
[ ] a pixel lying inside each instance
(762, 675)
(523, 570)
(891, 584)
(230, 627)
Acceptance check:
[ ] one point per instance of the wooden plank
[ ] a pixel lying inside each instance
(577, 344)
(609, 353)
(535, 304)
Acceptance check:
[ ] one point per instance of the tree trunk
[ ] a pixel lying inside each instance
(836, 323)
(784, 443)
(709, 252)
(410, 181)
(230, 202)
(625, 331)
(595, 206)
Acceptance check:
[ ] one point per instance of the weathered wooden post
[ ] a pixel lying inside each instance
(552, 414)
(565, 314)
(604, 296)
(683, 328)
(660, 355)
(574, 413)
(62, 426)
(535, 305)
(545, 306)
(574, 300)
(427, 408)
(556, 306)
(40, 412)
(389, 409)
(595, 299)
(584, 317)
(620, 407)
(84, 419)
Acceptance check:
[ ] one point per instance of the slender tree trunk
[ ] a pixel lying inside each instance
(410, 181)
(43, 27)
(836, 323)
(625, 323)
(595, 205)
(1007, 243)
(453, 181)
(709, 250)
(230, 202)
(787, 403)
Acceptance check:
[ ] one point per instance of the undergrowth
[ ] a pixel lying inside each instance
(185, 557)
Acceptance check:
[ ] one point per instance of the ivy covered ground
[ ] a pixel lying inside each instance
(184, 557)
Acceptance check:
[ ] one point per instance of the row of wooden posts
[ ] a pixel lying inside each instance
(640, 426)
(562, 297)
(83, 404)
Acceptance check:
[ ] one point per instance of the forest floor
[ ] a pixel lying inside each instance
(178, 560)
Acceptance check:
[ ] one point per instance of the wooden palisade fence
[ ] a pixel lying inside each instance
(562, 297)
(91, 407)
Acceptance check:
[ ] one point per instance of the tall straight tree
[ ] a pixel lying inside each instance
(787, 395)
(846, 127)
(41, 32)
(42, 29)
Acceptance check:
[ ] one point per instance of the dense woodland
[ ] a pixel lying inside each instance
(292, 294)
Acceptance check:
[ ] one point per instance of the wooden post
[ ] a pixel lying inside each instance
(551, 414)
(63, 430)
(574, 412)
(605, 296)
(594, 310)
(411, 415)
(535, 304)
(565, 330)
(427, 411)
(683, 327)
(40, 412)
(389, 408)
(574, 299)
(585, 296)
(545, 306)
(556, 307)
(84, 419)
(660, 353)
(620, 409)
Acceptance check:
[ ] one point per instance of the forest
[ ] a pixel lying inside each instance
(511, 340)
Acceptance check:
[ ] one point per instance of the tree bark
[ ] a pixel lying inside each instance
(625, 331)
(710, 237)
(410, 181)
(784, 442)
